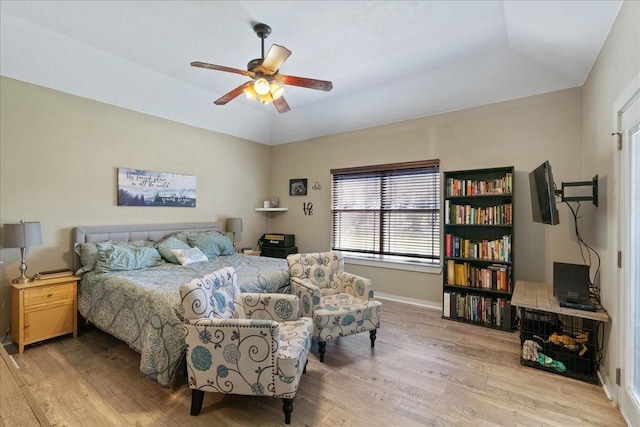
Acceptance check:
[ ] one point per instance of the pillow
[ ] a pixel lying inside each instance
(206, 242)
(120, 257)
(225, 245)
(167, 245)
(189, 256)
(212, 243)
(182, 237)
(88, 252)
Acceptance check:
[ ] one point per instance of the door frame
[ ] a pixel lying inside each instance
(629, 406)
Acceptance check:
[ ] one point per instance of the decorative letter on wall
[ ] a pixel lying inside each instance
(307, 208)
(146, 188)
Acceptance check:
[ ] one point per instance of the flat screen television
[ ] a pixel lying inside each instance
(543, 195)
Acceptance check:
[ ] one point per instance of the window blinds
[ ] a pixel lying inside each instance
(389, 210)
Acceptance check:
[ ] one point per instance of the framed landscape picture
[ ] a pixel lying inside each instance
(147, 188)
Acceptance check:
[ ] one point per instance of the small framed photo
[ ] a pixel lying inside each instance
(298, 187)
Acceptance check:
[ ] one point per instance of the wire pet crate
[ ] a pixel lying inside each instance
(566, 345)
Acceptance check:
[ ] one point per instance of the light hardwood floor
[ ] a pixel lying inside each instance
(424, 371)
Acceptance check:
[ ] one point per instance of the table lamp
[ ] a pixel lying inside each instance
(22, 235)
(234, 225)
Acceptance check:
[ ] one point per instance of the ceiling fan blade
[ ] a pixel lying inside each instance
(233, 94)
(304, 82)
(281, 105)
(274, 59)
(223, 68)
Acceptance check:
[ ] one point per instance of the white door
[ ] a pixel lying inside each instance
(628, 122)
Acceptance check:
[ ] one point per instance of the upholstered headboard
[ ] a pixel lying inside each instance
(134, 232)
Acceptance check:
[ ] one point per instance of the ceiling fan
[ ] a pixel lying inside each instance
(265, 77)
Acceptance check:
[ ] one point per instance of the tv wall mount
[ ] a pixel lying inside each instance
(594, 191)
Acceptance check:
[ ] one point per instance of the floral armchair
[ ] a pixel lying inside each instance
(340, 303)
(242, 343)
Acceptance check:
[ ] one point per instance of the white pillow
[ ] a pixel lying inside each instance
(189, 256)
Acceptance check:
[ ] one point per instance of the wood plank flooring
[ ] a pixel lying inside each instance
(17, 405)
(424, 371)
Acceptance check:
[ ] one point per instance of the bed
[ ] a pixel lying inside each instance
(141, 306)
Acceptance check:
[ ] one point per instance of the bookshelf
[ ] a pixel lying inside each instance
(477, 242)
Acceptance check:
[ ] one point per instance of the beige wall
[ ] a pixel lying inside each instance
(521, 133)
(58, 159)
(617, 64)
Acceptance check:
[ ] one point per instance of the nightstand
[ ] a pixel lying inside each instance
(43, 309)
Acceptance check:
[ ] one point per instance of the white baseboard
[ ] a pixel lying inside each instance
(423, 303)
(606, 389)
(604, 386)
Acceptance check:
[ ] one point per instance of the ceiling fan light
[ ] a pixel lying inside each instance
(250, 92)
(266, 98)
(261, 86)
(276, 90)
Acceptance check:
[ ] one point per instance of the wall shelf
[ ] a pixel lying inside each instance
(271, 209)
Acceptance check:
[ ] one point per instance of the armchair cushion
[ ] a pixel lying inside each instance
(344, 314)
(279, 307)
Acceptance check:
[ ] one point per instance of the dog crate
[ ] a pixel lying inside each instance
(562, 344)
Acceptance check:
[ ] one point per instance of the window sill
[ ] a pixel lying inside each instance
(396, 265)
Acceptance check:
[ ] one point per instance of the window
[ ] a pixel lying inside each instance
(388, 212)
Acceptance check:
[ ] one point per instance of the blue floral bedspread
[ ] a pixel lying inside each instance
(142, 307)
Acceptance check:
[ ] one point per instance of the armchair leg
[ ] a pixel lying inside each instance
(197, 396)
(287, 407)
(372, 335)
(304, 371)
(322, 346)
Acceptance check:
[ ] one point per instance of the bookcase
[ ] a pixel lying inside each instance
(477, 242)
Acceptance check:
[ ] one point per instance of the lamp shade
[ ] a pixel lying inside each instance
(276, 90)
(21, 235)
(261, 86)
(234, 225)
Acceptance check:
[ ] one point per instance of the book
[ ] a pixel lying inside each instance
(52, 274)
(449, 245)
(506, 324)
(447, 211)
(446, 305)
(451, 272)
